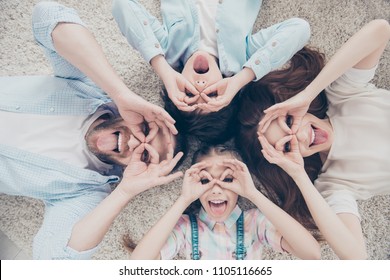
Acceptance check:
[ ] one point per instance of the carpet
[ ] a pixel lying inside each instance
(332, 23)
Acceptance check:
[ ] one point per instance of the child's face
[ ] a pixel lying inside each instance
(218, 202)
(202, 70)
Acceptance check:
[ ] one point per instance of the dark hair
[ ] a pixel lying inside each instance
(203, 151)
(213, 128)
(275, 87)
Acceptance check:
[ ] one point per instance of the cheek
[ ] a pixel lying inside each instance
(305, 152)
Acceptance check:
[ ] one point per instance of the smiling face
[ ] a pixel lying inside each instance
(218, 202)
(202, 70)
(314, 135)
(112, 141)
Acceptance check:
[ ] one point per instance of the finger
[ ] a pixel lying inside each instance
(186, 108)
(169, 178)
(283, 125)
(204, 174)
(294, 144)
(171, 151)
(136, 130)
(153, 130)
(296, 124)
(205, 97)
(267, 157)
(163, 115)
(279, 145)
(273, 108)
(167, 167)
(239, 164)
(153, 154)
(227, 172)
(210, 89)
(266, 121)
(162, 127)
(137, 153)
(201, 165)
(191, 88)
(191, 100)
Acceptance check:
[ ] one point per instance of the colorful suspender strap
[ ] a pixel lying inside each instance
(195, 237)
(240, 248)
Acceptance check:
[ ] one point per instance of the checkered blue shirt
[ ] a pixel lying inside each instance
(68, 192)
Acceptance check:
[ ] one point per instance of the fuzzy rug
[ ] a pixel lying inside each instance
(332, 22)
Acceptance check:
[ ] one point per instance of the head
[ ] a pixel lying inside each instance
(213, 128)
(217, 201)
(276, 87)
(112, 141)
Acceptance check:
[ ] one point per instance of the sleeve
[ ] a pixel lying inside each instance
(342, 202)
(142, 30)
(60, 217)
(267, 233)
(176, 240)
(45, 17)
(272, 47)
(353, 82)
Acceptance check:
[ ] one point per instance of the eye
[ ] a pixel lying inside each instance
(287, 147)
(189, 94)
(289, 121)
(213, 94)
(145, 156)
(204, 181)
(145, 128)
(228, 180)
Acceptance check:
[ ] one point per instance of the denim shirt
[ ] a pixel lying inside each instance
(179, 35)
(69, 192)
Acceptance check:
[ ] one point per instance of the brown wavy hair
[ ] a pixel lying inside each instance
(275, 87)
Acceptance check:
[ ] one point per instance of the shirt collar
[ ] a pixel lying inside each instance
(229, 222)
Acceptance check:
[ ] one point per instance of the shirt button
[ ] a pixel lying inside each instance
(217, 30)
(274, 44)
(220, 1)
(17, 107)
(257, 62)
(157, 45)
(51, 109)
(145, 22)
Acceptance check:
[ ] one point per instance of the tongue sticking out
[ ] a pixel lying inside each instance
(201, 65)
(321, 136)
(218, 208)
(107, 142)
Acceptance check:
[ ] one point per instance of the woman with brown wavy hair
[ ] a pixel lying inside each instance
(316, 165)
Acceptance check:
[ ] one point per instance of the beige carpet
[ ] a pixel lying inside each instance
(332, 21)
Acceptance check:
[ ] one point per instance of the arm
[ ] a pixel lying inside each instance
(153, 241)
(342, 232)
(89, 232)
(296, 239)
(362, 51)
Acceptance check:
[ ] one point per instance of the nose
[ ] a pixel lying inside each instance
(133, 143)
(216, 189)
(200, 84)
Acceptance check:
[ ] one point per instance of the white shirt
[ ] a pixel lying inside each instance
(358, 164)
(59, 137)
(207, 11)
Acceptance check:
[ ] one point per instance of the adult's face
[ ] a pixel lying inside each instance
(314, 135)
(112, 141)
(202, 70)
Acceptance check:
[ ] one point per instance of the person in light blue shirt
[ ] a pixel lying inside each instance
(65, 141)
(205, 52)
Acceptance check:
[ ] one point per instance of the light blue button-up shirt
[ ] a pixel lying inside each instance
(69, 192)
(179, 35)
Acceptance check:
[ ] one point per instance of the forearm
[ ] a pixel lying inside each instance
(153, 241)
(161, 67)
(336, 233)
(90, 231)
(301, 242)
(78, 46)
(362, 50)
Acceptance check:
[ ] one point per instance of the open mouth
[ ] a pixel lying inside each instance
(201, 65)
(318, 136)
(118, 148)
(218, 207)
